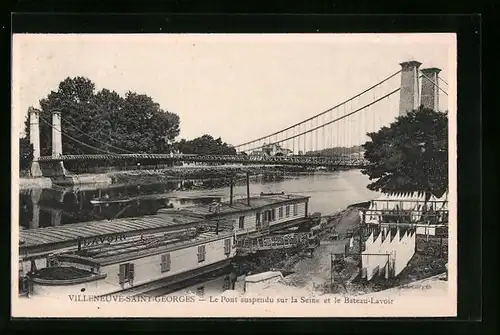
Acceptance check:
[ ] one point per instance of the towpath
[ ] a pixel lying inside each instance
(315, 271)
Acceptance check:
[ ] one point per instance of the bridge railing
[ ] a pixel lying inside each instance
(238, 159)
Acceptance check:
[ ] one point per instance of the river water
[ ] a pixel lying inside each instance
(329, 192)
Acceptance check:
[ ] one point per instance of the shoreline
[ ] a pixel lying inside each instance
(312, 274)
(133, 177)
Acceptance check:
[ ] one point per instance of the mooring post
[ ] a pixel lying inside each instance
(331, 271)
(231, 192)
(248, 188)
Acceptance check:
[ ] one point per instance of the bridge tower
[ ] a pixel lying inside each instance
(34, 119)
(430, 88)
(57, 143)
(409, 94)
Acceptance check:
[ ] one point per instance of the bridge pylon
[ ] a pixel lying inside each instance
(58, 167)
(430, 88)
(409, 94)
(34, 119)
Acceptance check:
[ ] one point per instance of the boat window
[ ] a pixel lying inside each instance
(201, 253)
(295, 209)
(257, 218)
(273, 214)
(165, 262)
(287, 210)
(241, 223)
(280, 212)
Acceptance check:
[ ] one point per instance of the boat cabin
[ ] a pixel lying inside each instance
(135, 265)
(36, 244)
(258, 215)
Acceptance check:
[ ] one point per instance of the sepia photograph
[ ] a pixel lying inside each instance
(234, 175)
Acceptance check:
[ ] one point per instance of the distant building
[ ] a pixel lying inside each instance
(272, 149)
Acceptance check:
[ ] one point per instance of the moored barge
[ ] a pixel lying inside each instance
(137, 265)
(89, 253)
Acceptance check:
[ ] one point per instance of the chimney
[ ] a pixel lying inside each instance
(79, 240)
(430, 88)
(409, 97)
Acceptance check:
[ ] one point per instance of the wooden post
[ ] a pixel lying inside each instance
(331, 271)
(231, 192)
(440, 245)
(248, 188)
(361, 251)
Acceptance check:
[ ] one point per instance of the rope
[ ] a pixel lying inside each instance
(320, 114)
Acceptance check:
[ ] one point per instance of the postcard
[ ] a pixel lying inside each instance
(234, 175)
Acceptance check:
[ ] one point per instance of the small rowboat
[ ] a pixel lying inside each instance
(100, 201)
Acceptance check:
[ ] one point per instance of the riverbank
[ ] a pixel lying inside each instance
(221, 173)
(294, 262)
(27, 183)
(313, 274)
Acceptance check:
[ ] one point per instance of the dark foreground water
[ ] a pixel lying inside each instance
(329, 192)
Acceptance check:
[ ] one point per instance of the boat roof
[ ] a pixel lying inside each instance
(70, 232)
(140, 247)
(240, 205)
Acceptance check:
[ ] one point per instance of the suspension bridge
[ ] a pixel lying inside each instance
(331, 138)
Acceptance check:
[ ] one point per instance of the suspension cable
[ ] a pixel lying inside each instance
(322, 113)
(76, 140)
(429, 79)
(444, 81)
(95, 139)
(337, 119)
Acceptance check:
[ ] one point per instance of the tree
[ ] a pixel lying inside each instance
(204, 145)
(25, 153)
(101, 122)
(410, 155)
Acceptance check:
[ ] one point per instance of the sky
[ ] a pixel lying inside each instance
(237, 87)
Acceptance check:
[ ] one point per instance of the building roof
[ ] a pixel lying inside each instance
(240, 205)
(71, 232)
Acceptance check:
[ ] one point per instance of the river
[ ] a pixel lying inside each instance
(329, 192)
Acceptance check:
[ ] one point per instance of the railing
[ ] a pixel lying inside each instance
(378, 216)
(272, 242)
(242, 159)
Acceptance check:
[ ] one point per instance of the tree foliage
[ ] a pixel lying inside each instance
(336, 151)
(25, 153)
(410, 155)
(105, 120)
(205, 144)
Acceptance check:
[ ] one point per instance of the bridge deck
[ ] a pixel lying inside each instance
(348, 161)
